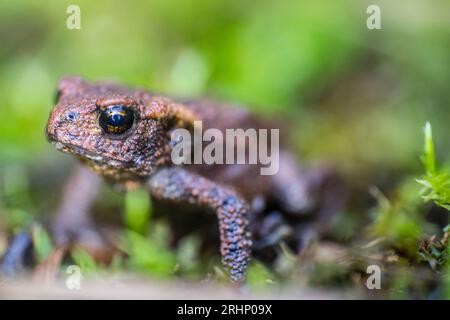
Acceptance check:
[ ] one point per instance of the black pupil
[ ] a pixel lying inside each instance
(116, 119)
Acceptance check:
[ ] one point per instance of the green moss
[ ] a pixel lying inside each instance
(435, 184)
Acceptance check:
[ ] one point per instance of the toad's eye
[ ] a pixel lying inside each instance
(116, 119)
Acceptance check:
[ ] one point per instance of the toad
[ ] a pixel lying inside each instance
(124, 135)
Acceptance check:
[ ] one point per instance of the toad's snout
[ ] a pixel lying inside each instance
(59, 125)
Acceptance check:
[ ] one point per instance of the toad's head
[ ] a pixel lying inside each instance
(119, 132)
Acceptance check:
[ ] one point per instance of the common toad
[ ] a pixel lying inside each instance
(125, 135)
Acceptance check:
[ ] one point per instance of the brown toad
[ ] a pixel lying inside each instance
(125, 135)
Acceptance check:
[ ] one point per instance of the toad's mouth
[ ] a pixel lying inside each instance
(90, 156)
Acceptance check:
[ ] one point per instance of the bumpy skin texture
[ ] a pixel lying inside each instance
(181, 186)
(73, 127)
(143, 153)
(282, 207)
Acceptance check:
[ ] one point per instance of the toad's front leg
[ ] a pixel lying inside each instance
(181, 186)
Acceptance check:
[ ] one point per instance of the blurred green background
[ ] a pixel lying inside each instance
(355, 97)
